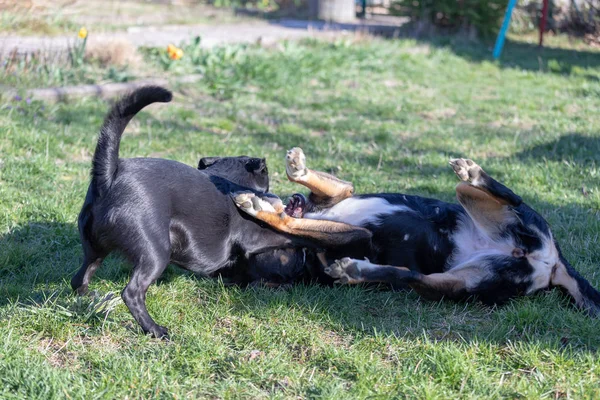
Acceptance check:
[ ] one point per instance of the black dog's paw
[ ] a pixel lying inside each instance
(346, 270)
(466, 170)
(159, 332)
(295, 164)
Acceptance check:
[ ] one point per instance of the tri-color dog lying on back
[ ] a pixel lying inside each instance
(491, 245)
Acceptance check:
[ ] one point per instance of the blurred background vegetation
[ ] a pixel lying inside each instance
(477, 18)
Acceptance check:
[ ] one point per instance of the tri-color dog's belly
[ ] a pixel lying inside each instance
(359, 211)
(419, 239)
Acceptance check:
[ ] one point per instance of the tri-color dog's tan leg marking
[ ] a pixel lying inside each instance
(490, 214)
(438, 286)
(468, 171)
(560, 277)
(327, 232)
(324, 187)
(487, 201)
(586, 297)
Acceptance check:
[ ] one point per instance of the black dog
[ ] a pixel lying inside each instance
(158, 211)
(491, 245)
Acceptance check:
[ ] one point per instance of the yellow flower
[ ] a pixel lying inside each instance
(175, 53)
(82, 33)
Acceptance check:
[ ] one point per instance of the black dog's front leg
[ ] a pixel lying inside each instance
(145, 272)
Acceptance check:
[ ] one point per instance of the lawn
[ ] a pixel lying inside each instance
(59, 17)
(386, 115)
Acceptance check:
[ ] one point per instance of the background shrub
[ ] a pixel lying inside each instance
(482, 16)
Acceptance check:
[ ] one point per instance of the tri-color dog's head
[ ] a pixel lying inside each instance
(521, 234)
(245, 171)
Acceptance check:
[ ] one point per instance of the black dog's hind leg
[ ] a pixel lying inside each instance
(92, 259)
(81, 280)
(147, 269)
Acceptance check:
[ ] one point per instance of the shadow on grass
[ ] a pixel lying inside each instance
(571, 147)
(40, 258)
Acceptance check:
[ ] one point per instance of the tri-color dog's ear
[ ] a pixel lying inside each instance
(206, 162)
(583, 293)
(489, 213)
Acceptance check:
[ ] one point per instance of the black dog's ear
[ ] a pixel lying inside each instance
(262, 165)
(206, 162)
(256, 165)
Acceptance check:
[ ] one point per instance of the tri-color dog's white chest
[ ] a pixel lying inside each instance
(359, 211)
(471, 243)
(474, 247)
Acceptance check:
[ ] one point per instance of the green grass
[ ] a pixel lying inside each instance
(386, 115)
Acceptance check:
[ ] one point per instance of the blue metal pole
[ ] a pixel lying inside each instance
(502, 34)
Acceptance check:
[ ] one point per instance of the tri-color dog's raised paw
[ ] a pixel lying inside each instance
(251, 203)
(346, 271)
(466, 170)
(295, 164)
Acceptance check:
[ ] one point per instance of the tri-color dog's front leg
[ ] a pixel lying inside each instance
(326, 190)
(326, 233)
(434, 287)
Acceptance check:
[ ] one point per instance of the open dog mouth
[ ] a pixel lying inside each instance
(295, 206)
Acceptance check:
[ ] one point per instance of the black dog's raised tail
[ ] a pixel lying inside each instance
(104, 163)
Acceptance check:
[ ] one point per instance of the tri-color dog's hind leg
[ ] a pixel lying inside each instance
(585, 296)
(326, 233)
(326, 189)
(468, 171)
(488, 202)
